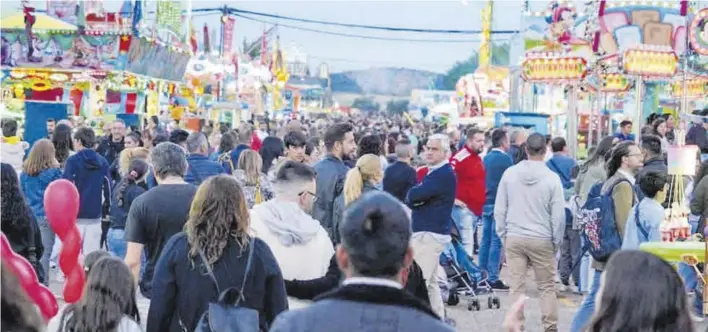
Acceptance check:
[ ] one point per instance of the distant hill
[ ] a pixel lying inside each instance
(385, 81)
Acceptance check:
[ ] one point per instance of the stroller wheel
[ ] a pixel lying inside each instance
(490, 303)
(495, 301)
(453, 299)
(474, 304)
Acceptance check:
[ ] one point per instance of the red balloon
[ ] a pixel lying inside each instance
(61, 205)
(71, 248)
(27, 277)
(45, 300)
(75, 281)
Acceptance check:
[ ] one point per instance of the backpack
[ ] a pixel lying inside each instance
(225, 315)
(597, 222)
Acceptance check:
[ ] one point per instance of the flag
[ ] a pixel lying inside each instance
(137, 15)
(264, 48)
(169, 14)
(124, 44)
(228, 35)
(193, 38)
(207, 44)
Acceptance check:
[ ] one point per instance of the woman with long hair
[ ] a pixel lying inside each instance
(640, 292)
(372, 144)
(216, 239)
(108, 302)
(41, 168)
(18, 223)
(63, 144)
(659, 128)
(18, 312)
(272, 149)
(124, 193)
(251, 178)
(359, 180)
(127, 156)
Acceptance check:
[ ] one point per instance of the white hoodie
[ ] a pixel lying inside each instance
(13, 154)
(299, 243)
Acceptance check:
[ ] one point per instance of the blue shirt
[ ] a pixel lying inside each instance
(651, 213)
(563, 166)
(623, 137)
(496, 163)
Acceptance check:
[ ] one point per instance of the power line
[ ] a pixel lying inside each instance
(349, 35)
(362, 26)
(383, 63)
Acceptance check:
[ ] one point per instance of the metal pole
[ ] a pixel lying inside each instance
(573, 121)
(638, 116)
(591, 117)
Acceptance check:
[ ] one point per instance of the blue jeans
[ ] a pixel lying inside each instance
(690, 280)
(48, 239)
(116, 243)
(465, 221)
(584, 314)
(490, 248)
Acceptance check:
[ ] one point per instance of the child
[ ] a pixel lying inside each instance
(645, 218)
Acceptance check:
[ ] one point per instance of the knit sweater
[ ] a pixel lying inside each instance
(432, 201)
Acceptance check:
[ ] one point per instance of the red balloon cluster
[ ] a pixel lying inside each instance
(21, 268)
(61, 204)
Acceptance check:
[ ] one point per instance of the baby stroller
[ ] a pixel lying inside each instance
(465, 278)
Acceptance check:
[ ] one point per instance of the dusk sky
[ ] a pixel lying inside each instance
(343, 53)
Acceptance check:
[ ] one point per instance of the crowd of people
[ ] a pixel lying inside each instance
(298, 221)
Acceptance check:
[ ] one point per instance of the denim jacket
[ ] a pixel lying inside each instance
(651, 213)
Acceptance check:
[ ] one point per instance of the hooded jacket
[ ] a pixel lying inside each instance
(536, 194)
(299, 243)
(89, 172)
(13, 154)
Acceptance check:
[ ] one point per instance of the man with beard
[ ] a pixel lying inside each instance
(299, 243)
(470, 195)
(340, 144)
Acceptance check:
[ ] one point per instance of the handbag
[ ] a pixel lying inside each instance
(226, 314)
(258, 199)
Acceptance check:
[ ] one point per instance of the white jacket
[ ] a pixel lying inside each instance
(13, 154)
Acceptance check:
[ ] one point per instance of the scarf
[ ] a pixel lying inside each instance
(11, 140)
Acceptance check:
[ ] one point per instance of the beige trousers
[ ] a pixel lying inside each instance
(426, 252)
(539, 255)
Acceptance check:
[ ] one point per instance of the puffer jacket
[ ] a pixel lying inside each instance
(34, 187)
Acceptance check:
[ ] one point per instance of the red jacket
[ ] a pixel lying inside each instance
(420, 173)
(469, 169)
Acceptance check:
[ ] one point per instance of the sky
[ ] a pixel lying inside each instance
(343, 53)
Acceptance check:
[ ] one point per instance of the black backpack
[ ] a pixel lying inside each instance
(225, 315)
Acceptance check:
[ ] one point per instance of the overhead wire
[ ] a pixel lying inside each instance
(363, 26)
(350, 35)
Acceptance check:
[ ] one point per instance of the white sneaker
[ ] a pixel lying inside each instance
(697, 318)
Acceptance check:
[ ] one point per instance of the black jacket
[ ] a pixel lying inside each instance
(697, 136)
(26, 242)
(310, 289)
(398, 179)
(109, 149)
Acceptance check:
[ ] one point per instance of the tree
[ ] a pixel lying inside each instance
(397, 107)
(500, 57)
(365, 104)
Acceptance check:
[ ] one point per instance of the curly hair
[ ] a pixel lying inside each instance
(16, 215)
(620, 151)
(218, 213)
(109, 295)
(41, 157)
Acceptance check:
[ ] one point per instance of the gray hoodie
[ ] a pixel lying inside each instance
(530, 203)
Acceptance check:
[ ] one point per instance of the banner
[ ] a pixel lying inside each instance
(169, 14)
(228, 35)
(64, 10)
(148, 59)
(36, 115)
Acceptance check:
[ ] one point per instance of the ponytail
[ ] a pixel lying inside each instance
(353, 185)
(368, 169)
(138, 170)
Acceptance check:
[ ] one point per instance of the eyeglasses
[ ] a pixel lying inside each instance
(635, 155)
(314, 196)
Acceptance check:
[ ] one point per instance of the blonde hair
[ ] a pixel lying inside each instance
(368, 169)
(251, 163)
(41, 157)
(128, 155)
